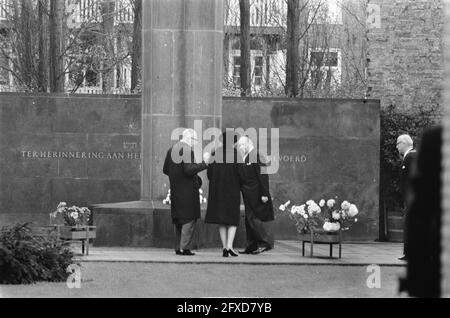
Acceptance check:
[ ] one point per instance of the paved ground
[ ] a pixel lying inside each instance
(285, 252)
(219, 280)
(281, 272)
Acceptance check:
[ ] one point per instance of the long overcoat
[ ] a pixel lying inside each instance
(184, 184)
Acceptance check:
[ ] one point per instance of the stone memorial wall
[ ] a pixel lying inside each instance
(86, 150)
(81, 150)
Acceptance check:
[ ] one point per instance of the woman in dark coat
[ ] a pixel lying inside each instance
(224, 198)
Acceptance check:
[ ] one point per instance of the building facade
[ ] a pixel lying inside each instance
(86, 25)
(331, 49)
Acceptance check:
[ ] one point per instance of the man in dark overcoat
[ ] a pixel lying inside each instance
(257, 199)
(406, 150)
(182, 170)
(424, 204)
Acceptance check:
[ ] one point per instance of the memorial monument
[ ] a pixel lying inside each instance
(181, 82)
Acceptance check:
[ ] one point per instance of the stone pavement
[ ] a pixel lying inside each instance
(285, 252)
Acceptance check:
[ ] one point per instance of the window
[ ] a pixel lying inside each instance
(236, 71)
(91, 77)
(4, 4)
(4, 73)
(258, 71)
(257, 62)
(263, 13)
(320, 59)
(325, 66)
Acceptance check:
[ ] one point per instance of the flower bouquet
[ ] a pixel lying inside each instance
(305, 216)
(73, 216)
(328, 215)
(339, 217)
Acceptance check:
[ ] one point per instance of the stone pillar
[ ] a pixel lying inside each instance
(182, 78)
(445, 231)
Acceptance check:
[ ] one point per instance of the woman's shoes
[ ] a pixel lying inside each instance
(225, 252)
(232, 253)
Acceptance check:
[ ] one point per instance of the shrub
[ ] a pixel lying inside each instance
(395, 122)
(27, 258)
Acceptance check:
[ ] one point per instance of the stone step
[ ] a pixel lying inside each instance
(395, 235)
(395, 222)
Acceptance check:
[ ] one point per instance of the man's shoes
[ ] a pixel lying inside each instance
(246, 251)
(187, 252)
(225, 252)
(261, 250)
(178, 252)
(403, 258)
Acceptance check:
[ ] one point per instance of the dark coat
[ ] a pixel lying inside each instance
(184, 185)
(224, 197)
(254, 185)
(424, 219)
(405, 171)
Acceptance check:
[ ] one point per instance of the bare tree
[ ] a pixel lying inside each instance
(136, 57)
(54, 45)
(107, 22)
(42, 80)
(292, 53)
(245, 63)
(56, 32)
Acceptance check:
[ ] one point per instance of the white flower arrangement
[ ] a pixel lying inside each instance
(306, 216)
(331, 216)
(339, 218)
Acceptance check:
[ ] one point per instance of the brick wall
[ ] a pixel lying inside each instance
(405, 52)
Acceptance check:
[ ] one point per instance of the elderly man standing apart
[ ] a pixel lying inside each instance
(406, 150)
(257, 199)
(182, 170)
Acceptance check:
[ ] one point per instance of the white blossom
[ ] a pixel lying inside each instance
(330, 203)
(302, 209)
(337, 226)
(322, 203)
(335, 215)
(327, 226)
(345, 205)
(353, 210)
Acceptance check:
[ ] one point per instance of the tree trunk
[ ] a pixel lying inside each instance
(245, 67)
(27, 44)
(292, 54)
(108, 43)
(43, 46)
(56, 47)
(136, 55)
(226, 53)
